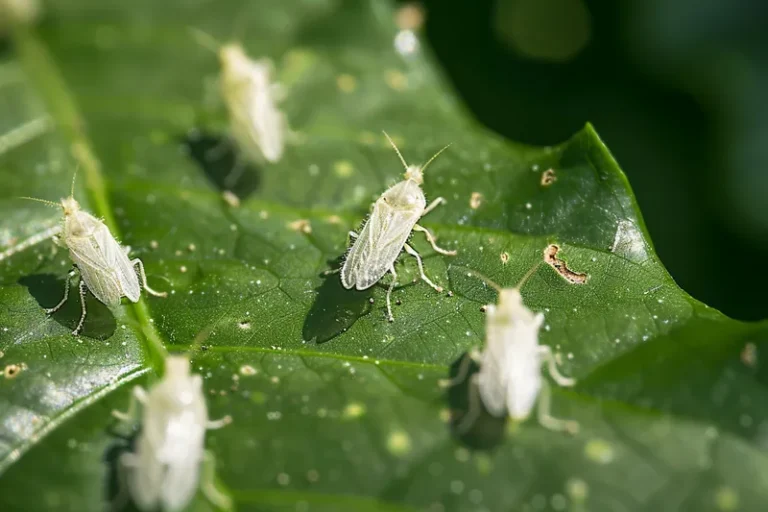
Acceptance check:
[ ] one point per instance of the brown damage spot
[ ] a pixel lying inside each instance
(301, 225)
(475, 200)
(548, 177)
(504, 257)
(410, 16)
(551, 259)
(12, 371)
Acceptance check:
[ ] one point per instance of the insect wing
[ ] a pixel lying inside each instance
(522, 368)
(493, 377)
(258, 126)
(117, 260)
(146, 476)
(180, 485)
(100, 279)
(378, 245)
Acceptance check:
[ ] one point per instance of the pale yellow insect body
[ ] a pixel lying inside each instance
(395, 215)
(258, 125)
(509, 380)
(164, 471)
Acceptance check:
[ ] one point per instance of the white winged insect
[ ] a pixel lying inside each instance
(252, 97)
(395, 214)
(164, 471)
(102, 262)
(509, 380)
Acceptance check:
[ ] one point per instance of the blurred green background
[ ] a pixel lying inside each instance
(676, 88)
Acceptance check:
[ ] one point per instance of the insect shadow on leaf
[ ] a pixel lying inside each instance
(115, 491)
(48, 289)
(335, 308)
(219, 159)
(487, 431)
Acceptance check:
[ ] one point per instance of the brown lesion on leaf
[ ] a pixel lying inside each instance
(551, 259)
(301, 226)
(548, 177)
(12, 371)
(410, 16)
(504, 256)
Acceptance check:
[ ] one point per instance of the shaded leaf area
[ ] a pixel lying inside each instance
(334, 407)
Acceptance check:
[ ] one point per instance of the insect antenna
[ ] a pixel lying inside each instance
(486, 280)
(72, 190)
(200, 338)
(44, 201)
(205, 39)
(424, 167)
(528, 275)
(397, 150)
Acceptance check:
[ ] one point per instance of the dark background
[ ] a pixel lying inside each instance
(676, 89)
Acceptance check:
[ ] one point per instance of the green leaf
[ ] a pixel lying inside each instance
(335, 408)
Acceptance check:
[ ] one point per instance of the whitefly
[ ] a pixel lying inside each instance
(170, 462)
(509, 380)
(252, 98)
(384, 235)
(103, 264)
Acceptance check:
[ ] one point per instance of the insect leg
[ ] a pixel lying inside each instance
(546, 353)
(234, 175)
(472, 355)
(67, 283)
(389, 293)
(410, 250)
(215, 424)
(434, 204)
(432, 242)
(474, 409)
(546, 420)
(208, 483)
(138, 395)
(83, 290)
(137, 262)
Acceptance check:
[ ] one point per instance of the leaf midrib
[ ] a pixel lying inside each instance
(65, 414)
(49, 83)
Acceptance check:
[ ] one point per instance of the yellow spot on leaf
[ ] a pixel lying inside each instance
(343, 168)
(353, 410)
(396, 80)
(726, 499)
(346, 83)
(600, 451)
(475, 200)
(399, 443)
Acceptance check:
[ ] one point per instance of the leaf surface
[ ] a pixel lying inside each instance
(335, 408)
